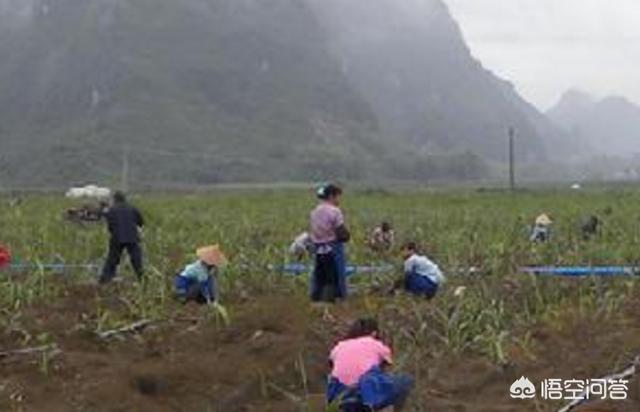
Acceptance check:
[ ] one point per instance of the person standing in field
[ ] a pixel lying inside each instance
(124, 223)
(329, 234)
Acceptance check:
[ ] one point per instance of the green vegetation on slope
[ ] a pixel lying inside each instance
(261, 91)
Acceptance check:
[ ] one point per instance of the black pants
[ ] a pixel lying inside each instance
(325, 288)
(115, 255)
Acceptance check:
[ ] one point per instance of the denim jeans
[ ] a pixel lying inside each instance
(376, 390)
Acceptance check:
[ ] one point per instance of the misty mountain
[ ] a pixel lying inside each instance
(410, 62)
(205, 91)
(611, 126)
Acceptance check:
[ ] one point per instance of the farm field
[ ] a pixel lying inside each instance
(268, 352)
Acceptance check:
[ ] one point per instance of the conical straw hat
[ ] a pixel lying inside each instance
(543, 220)
(212, 255)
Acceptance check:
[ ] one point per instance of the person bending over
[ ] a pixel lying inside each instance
(197, 281)
(301, 247)
(382, 238)
(541, 231)
(358, 380)
(421, 275)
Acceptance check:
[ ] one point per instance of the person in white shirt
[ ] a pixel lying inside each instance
(421, 275)
(301, 245)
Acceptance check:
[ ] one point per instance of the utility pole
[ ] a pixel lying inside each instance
(512, 160)
(124, 177)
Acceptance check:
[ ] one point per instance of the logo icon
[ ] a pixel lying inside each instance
(522, 389)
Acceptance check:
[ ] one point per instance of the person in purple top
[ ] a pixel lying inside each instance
(329, 234)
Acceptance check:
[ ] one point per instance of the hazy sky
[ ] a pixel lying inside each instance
(547, 46)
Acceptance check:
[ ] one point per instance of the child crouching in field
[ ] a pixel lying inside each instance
(301, 247)
(358, 381)
(197, 282)
(421, 275)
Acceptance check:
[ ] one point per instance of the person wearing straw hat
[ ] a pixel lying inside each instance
(542, 229)
(197, 281)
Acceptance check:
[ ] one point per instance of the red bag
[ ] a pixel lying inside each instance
(5, 257)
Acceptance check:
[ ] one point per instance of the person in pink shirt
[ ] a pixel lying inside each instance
(328, 233)
(358, 381)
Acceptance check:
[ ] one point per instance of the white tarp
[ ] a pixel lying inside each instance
(89, 191)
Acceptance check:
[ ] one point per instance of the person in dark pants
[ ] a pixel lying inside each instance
(422, 277)
(124, 223)
(328, 234)
(590, 227)
(198, 281)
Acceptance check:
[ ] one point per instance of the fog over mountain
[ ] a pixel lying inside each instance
(206, 91)
(610, 126)
(409, 61)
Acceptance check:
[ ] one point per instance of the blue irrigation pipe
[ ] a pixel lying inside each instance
(297, 269)
(582, 271)
(55, 267)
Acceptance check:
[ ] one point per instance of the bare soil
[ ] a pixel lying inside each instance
(272, 357)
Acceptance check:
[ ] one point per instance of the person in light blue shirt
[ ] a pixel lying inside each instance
(421, 276)
(197, 281)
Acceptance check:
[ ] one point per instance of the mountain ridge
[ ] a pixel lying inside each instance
(610, 125)
(285, 90)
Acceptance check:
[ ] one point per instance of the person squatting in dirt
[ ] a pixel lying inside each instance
(359, 381)
(382, 238)
(197, 281)
(328, 234)
(422, 276)
(124, 222)
(541, 231)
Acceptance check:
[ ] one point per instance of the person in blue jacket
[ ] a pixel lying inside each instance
(421, 275)
(197, 281)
